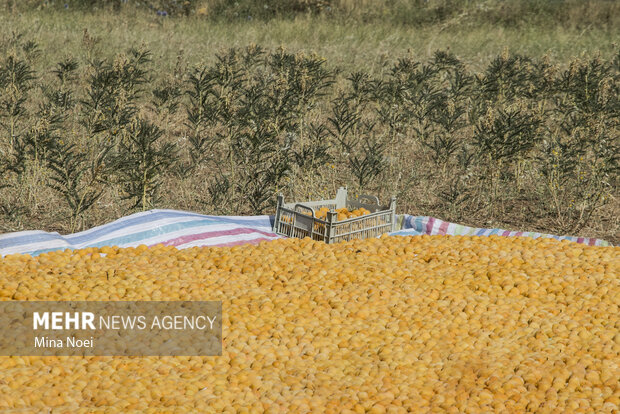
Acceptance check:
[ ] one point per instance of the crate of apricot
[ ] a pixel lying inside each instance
(335, 220)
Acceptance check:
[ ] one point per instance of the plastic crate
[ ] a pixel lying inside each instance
(299, 220)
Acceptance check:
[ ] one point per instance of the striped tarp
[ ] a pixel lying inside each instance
(418, 225)
(185, 229)
(169, 227)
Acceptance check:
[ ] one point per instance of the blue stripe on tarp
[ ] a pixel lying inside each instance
(419, 224)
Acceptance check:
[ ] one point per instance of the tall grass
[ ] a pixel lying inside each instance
(348, 43)
(103, 114)
(579, 14)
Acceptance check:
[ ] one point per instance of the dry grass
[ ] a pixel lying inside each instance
(177, 45)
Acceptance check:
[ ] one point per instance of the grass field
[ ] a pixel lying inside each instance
(347, 44)
(419, 161)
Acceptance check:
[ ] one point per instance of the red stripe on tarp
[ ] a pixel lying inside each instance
(591, 242)
(580, 240)
(429, 225)
(519, 233)
(506, 233)
(211, 234)
(443, 228)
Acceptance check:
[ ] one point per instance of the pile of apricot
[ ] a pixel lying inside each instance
(382, 325)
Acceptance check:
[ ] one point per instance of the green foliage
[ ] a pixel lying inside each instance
(16, 80)
(62, 96)
(75, 178)
(249, 108)
(113, 91)
(309, 158)
(369, 163)
(523, 137)
(505, 134)
(43, 134)
(344, 121)
(141, 161)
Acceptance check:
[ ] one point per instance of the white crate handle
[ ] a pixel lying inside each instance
(299, 207)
